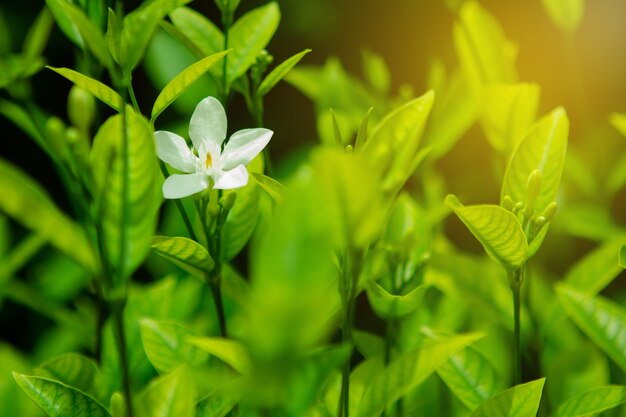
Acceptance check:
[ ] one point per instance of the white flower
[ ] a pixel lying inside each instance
(207, 129)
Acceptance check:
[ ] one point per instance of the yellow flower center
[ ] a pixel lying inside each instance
(209, 160)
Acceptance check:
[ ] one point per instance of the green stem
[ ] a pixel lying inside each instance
(216, 291)
(118, 318)
(516, 284)
(348, 299)
(179, 206)
(226, 24)
(133, 99)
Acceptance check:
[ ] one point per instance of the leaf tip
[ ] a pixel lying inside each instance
(453, 202)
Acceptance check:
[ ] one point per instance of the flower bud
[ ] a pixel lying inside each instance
(539, 222)
(518, 206)
(507, 203)
(56, 132)
(550, 211)
(80, 108)
(349, 149)
(533, 187)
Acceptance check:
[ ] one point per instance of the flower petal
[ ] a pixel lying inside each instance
(208, 124)
(235, 178)
(243, 146)
(173, 149)
(179, 186)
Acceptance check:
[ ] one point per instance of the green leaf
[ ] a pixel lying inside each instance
(24, 121)
(227, 7)
(519, 401)
(217, 404)
(566, 14)
(242, 219)
(593, 402)
(59, 400)
(184, 252)
(199, 30)
(279, 73)
(408, 371)
(17, 67)
(391, 306)
(171, 395)
(543, 150)
(619, 122)
(139, 26)
(471, 377)
(485, 54)
(183, 81)
(508, 112)
(368, 344)
(397, 137)
(67, 26)
(27, 203)
(274, 188)
(622, 256)
(91, 34)
(497, 229)
(595, 270)
(38, 34)
(114, 34)
(230, 351)
(248, 36)
(167, 347)
(95, 87)
(73, 370)
(376, 72)
(603, 321)
(128, 197)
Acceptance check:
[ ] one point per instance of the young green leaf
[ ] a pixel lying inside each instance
(248, 36)
(230, 351)
(95, 87)
(272, 187)
(397, 136)
(566, 14)
(172, 395)
(485, 54)
(67, 26)
(167, 347)
(125, 172)
(59, 400)
(592, 402)
(75, 371)
(184, 252)
(622, 256)
(89, 32)
(603, 321)
(114, 34)
(519, 401)
(471, 377)
(508, 112)
(227, 7)
(407, 372)
(183, 81)
(376, 72)
(279, 73)
(38, 34)
(199, 30)
(543, 150)
(391, 306)
(139, 26)
(497, 229)
(27, 203)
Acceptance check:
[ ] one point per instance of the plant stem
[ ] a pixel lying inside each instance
(216, 291)
(118, 318)
(516, 284)
(346, 333)
(133, 99)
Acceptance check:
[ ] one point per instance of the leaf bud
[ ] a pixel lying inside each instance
(507, 203)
